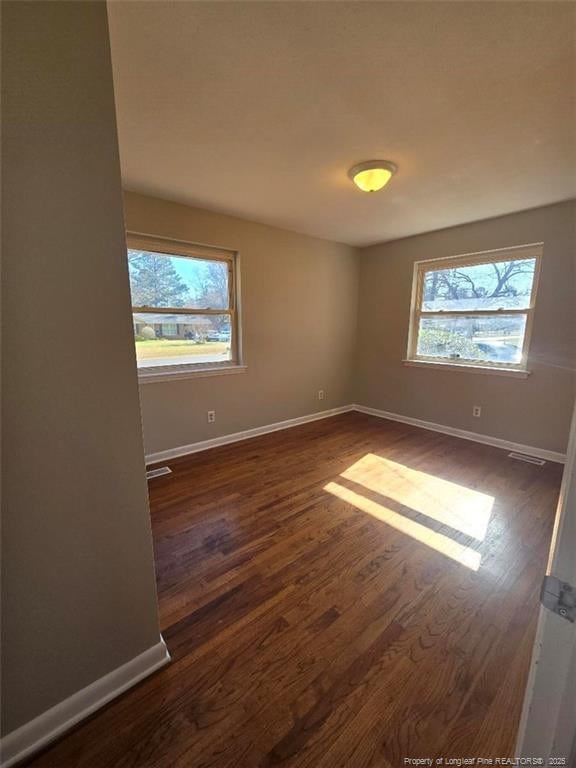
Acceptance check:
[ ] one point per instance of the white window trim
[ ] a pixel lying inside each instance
(158, 373)
(518, 370)
(192, 371)
(515, 373)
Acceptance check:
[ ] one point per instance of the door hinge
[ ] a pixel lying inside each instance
(559, 597)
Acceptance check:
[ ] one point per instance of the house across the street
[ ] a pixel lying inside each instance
(194, 328)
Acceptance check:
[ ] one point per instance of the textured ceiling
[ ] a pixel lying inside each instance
(258, 109)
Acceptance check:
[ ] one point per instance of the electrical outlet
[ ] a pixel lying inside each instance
(320, 394)
(211, 416)
(477, 411)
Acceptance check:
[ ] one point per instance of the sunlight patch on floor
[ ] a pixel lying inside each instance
(443, 544)
(464, 509)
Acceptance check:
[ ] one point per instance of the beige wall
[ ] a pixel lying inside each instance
(78, 581)
(301, 332)
(535, 411)
(299, 307)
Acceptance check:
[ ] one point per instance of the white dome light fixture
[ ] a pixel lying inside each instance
(372, 175)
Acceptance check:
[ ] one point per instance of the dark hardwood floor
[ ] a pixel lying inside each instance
(347, 593)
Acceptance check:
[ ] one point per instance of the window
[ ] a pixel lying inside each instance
(184, 307)
(475, 310)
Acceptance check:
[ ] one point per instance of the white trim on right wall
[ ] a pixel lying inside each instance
(477, 437)
(496, 442)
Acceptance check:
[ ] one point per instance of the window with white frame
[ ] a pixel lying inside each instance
(475, 310)
(184, 305)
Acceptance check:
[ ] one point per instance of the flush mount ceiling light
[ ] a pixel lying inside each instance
(372, 175)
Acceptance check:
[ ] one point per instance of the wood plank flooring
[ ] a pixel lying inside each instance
(347, 593)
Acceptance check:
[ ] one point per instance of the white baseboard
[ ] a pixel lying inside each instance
(496, 442)
(48, 726)
(204, 445)
(39, 732)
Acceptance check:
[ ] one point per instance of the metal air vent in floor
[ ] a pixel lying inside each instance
(158, 472)
(526, 458)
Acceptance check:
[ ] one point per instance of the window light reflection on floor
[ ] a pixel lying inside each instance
(464, 509)
(445, 504)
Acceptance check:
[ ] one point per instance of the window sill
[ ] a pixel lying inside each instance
(148, 376)
(515, 373)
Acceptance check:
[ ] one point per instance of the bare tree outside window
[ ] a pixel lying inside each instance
(474, 310)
